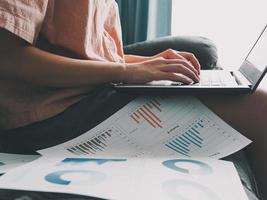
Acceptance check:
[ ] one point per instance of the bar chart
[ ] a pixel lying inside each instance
(112, 140)
(92, 146)
(148, 113)
(190, 139)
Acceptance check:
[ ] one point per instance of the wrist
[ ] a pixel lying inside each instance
(122, 73)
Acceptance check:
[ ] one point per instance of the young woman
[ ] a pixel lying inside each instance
(57, 59)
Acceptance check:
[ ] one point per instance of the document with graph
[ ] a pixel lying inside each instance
(173, 126)
(131, 179)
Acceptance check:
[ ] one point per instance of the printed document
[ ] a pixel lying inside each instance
(10, 161)
(131, 179)
(171, 126)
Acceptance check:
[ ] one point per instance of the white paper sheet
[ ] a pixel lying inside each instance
(131, 179)
(179, 126)
(10, 161)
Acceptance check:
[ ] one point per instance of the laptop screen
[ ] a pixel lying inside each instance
(254, 66)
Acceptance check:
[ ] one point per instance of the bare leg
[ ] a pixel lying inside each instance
(248, 115)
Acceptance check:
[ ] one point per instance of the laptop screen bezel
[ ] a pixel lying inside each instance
(253, 74)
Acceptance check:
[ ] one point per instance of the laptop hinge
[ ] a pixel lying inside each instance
(241, 79)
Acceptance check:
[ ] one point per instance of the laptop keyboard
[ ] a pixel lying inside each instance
(207, 78)
(216, 78)
(213, 78)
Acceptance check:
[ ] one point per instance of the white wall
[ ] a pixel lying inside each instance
(233, 25)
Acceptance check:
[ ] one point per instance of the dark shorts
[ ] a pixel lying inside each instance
(74, 121)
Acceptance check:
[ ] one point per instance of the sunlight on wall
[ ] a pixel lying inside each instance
(233, 25)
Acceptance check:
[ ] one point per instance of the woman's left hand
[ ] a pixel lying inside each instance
(168, 54)
(172, 54)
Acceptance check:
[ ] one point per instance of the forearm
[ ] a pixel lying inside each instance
(22, 62)
(46, 69)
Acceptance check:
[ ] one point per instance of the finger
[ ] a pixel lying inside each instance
(185, 63)
(174, 77)
(172, 54)
(181, 69)
(186, 56)
(191, 57)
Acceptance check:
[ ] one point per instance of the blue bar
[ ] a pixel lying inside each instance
(196, 135)
(184, 140)
(193, 138)
(195, 130)
(182, 143)
(200, 125)
(176, 150)
(182, 147)
(192, 141)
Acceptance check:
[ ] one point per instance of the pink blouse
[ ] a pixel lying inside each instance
(89, 28)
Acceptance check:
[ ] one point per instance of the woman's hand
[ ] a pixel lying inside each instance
(172, 68)
(172, 54)
(167, 65)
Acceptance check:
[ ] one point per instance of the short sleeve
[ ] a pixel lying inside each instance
(23, 18)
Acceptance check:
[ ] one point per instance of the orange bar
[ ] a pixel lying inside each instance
(155, 105)
(135, 119)
(146, 119)
(156, 101)
(150, 117)
(149, 105)
(137, 116)
(155, 116)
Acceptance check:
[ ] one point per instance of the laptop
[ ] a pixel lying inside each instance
(245, 80)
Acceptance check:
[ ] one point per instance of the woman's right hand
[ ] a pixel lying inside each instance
(178, 70)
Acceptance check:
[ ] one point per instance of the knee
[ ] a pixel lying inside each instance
(260, 96)
(208, 53)
(257, 105)
(203, 48)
